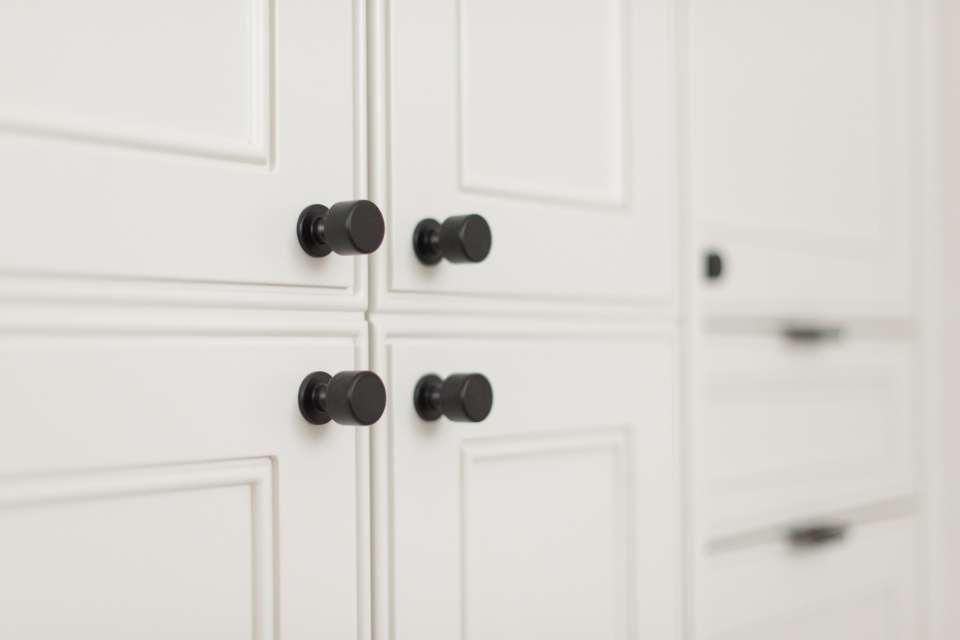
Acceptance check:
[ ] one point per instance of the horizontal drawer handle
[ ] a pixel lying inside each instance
(812, 333)
(816, 536)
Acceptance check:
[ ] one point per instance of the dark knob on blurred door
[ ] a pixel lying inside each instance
(713, 265)
(461, 397)
(458, 239)
(347, 228)
(349, 397)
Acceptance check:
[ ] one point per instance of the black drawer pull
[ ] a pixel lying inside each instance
(812, 333)
(816, 536)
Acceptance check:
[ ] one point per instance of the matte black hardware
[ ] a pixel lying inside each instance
(462, 397)
(816, 536)
(349, 397)
(347, 228)
(713, 265)
(459, 239)
(811, 333)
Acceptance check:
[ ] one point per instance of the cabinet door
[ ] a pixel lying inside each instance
(804, 138)
(162, 483)
(558, 515)
(552, 120)
(155, 148)
(863, 586)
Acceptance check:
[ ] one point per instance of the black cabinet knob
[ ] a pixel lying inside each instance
(349, 397)
(459, 239)
(462, 397)
(347, 228)
(713, 265)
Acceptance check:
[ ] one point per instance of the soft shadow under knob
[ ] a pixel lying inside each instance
(461, 397)
(459, 239)
(349, 397)
(346, 228)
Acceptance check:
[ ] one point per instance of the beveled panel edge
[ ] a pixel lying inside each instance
(258, 150)
(255, 473)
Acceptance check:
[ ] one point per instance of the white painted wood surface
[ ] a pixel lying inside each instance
(555, 122)
(555, 517)
(177, 142)
(864, 586)
(158, 479)
(793, 430)
(803, 153)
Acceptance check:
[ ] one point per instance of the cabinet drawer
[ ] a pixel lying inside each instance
(861, 586)
(555, 516)
(162, 170)
(165, 481)
(564, 148)
(792, 428)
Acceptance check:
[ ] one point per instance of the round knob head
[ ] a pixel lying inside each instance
(354, 227)
(466, 397)
(356, 397)
(465, 238)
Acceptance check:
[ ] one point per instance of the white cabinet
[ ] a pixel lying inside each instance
(552, 120)
(557, 516)
(158, 480)
(862, 586)
(792, 429)
(803, 153)
(176, 143)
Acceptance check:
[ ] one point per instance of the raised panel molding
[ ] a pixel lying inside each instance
(151, 98)
(154, 492)
(522, 80)
(561, 518)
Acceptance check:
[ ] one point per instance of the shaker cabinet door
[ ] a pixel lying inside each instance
(163, 147)
(557, 515)
(551, 120)
(802, 157)
(162, 483)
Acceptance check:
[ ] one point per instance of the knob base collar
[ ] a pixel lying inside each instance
(310, 398)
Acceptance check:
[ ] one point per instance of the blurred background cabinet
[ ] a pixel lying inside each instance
(804, 152)
(805, 136)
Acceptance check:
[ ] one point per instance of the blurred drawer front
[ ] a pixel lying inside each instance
(861, 586)
(181, 166)
(535, 522)
(166, 481)
(794, 428)
(571, 170)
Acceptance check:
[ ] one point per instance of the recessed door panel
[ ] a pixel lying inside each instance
(177, 142)
(161, 482)
(556, 516)
(551, 120)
